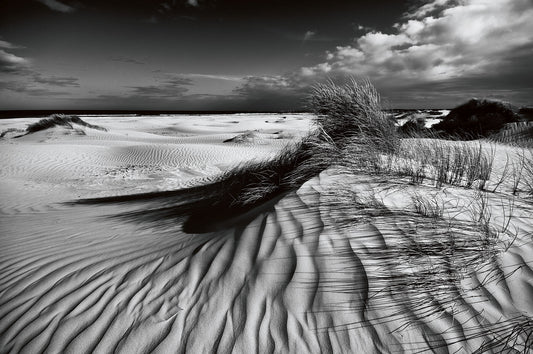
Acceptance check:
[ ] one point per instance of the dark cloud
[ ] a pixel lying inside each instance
(56, 80)
(126, 60)
(273, 92)
(7, 45)
(11, 63)
(57, 6)
(170, 88)
(183, 103)
(29, 89)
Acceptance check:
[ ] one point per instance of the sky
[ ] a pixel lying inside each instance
(260, 55)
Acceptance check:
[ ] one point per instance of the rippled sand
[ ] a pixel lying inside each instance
(342, 265)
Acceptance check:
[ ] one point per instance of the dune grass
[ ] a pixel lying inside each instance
(60, 120)
(12, 131)
(518, 134)
(351, 114)
(443, 162)
(349, 121)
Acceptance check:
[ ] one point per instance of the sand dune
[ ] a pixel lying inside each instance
(343, 264)
(293, 279)
(129, 157)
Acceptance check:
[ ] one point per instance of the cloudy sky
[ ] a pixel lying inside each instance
(260, 54)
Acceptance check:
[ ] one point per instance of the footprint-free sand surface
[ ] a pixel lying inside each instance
(343, 264)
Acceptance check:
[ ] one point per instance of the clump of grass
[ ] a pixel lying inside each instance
(246, 137)
(519, 171)
(526, 163)
(414, 127)
(457, 163)
(351, 114)
(517, 133)
(60, 120)
(251, 183)
(10, 131)
(349, 123)
(430, 207)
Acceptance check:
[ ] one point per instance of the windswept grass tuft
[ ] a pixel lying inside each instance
(351, 114)
(444, 162)
(252, 183)
(350, 125)
(60, 120)
(429, 206)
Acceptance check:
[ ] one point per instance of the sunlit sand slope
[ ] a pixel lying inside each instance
(297, 276)
(133, 155)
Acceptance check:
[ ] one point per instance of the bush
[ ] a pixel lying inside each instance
(476, 119)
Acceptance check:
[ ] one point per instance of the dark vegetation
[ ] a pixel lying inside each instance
(9, 131)
(526, 113)
(414, 127)
(476, 119)
(60, 120)
(351, 114)
(246, 137)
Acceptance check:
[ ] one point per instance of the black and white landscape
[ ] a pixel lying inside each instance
(199, 176)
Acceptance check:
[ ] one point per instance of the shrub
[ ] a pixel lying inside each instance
(476, 118)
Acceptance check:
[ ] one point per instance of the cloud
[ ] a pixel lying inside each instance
(214, 77)
(57, 6)
(443, 40)
(7, 45)
(126, 60)
(11, 63)
(171, 88)
(29, 89)
(309, 35)
(56, 81)
(440, 53)
(432, 7)
(282, 92)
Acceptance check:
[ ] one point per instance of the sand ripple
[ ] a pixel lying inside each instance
(290, 280)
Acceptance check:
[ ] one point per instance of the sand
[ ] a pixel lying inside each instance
(343, 264)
